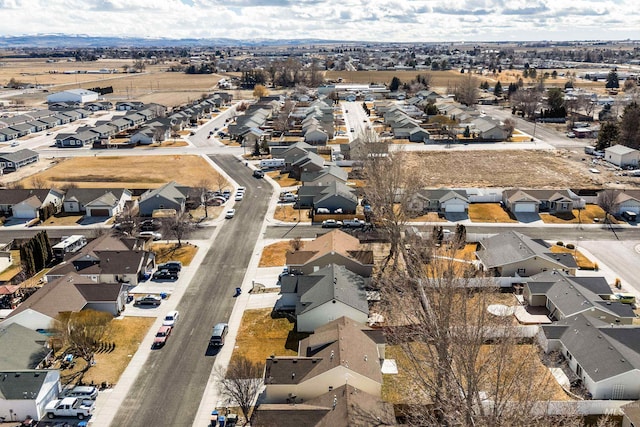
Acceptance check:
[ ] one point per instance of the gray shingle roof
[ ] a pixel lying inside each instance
(21, 347)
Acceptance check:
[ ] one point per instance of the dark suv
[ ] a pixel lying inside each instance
(165, 275)
(258, 174)
(171, 266)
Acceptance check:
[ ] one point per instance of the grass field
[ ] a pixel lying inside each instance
(261, 336)
(125, 172)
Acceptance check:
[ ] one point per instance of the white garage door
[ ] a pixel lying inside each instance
(454, 208)
(525, 207)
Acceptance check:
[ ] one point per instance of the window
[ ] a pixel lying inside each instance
(522, 271)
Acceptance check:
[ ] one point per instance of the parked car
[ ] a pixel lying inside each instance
(218, 334)
(171, 318)
(288, 197)
(331, 223)
(165, 275)
(629, 216)
(239, 196)
(171, 266)
(15, 144)
(161, 336)
(153, 234)
(150, 225)
(258, 174)
(226, 194)
(230, 213)
(84, 392)
(149, 300)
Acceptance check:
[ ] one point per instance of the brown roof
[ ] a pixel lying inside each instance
(334, 241)
(344, 406)
(340, 342)
(100, 292)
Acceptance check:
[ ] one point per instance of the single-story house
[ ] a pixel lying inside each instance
(324, 363)
(8, 134)
(626, 200)
(512, 253)
(328, 174)
(519, 200)
(418, 134)
(65, 140)
(604, 356)
(335, 197)
(169, 196)
(566, 296)
(96, 201)
(315, 135)
(442, 200)
(622, 156)
(23, 348)
(310, 162)
(488, 129)
(335, 247)
(12, 197)
(324, 295)
(11, 162)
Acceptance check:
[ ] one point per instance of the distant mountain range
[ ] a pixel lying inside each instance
(85, 41)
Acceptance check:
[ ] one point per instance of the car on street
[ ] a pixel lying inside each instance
(352, 130)
(15, 144)
(258, 174)
(571, 135)
(162, 336)
(230, 213)
(171, 318)
(217, 336)
(239, 196)
(171, 266)
(148, 300)
(331, 223)
(164, 275)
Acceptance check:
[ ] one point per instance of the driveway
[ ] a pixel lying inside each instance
(621, 257)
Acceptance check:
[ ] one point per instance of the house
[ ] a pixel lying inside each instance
(8, 134)
(24, 129)
(344, 406)
(622, 156)
(330, 173)
(98, 106)
(488, 129)
(129, 105)
(604, 356)
(335, 197)
(625, 200)
(335, 247)
(511, 254)
(76, 140)
(25, 392)
(418, 134)
(96, 201)
(107, 259)
(310, 162)
(10, 198)
(566, 296)
(316, 136)
(325, 363)
(23, 348)
(441, 200)
(74, 96)
(169, 196)
(11, 162)
(519, 200)
(71, 292)
(324, 295)
(360, 149)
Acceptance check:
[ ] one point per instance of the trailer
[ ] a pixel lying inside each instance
(271, 163)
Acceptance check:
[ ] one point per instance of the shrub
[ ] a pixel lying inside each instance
(570, 246)
(559, 244)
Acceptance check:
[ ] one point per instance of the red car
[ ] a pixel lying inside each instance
(161, 336)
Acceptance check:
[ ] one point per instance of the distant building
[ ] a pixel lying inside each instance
(73, 95)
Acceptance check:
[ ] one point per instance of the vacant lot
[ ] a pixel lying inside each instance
(509, 168)
(125, 172)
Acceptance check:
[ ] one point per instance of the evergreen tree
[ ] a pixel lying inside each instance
(630, 126)
(612, 80)
(395, 84)
(608, 135)
(497, 89)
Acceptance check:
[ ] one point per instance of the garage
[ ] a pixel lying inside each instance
(455, 208)
(525, 207)
(98, 212)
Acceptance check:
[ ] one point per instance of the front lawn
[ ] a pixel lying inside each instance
(583, 262)
(488, 212)
(171, 252)
(283, 180)
(288, 213)
(587, 215)
(274, 255)
(261, 335)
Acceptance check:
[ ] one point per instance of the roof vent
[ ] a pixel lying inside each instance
(293, 375)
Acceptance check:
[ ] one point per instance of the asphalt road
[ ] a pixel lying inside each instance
(169, 388)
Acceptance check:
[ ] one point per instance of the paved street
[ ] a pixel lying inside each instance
(171, 383)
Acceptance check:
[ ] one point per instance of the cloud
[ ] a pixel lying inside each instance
(531, 10)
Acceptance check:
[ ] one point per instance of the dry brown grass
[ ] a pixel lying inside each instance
(15, 267)
(212, 212)
(274, 254)
(171, 252)
(169, 143)
(428, 217)
(288, 213)
(467, 253)
(62, 219)
(585, 216)
(583, 262)
(126, 333)
(283, 180)
(508, 168)
(488, 212)
(126, 171)
(261, 336)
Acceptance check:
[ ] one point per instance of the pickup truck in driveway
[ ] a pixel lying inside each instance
(69, 407)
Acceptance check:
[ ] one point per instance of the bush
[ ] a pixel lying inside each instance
(570, 246)
(559, 244)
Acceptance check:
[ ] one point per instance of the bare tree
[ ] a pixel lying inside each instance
(220, 181)
(178, 226)
(527, 101)
(296, 244)
(241, 383)
(203, 186)
(282, 123)
(607, 201)
(83, 331)
(159, 134)
(390, 187)
(465, 366)
(467, 92)
(509, 126)
(38, 182)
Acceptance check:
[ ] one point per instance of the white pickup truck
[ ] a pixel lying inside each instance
(353, 223)
(70, 407)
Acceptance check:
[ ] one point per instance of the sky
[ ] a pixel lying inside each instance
(358, 20)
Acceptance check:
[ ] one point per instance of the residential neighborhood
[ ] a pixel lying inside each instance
(341, 235)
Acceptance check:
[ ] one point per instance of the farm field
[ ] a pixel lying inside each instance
(124, 172)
